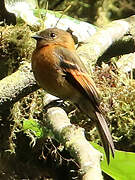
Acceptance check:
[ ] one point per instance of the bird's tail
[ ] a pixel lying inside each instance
(105, 135)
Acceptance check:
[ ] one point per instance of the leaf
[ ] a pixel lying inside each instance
(122, 167)
(33, 126)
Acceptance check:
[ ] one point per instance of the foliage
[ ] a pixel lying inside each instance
(118, 92)
(15, 46)
(121, 167)
(98, 12)
(34, 126)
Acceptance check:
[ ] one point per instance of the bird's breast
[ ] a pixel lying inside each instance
(48, 73)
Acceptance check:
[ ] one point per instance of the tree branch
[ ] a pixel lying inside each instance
(98, 43)
(74, 141)
(16, 86)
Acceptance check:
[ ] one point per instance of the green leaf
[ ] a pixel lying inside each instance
(122, 167)
(33, 126)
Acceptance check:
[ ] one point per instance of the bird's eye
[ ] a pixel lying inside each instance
(53, 35)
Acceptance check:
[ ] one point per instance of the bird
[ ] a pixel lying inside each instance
(59, 70)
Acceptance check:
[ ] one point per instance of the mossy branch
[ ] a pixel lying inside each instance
(104, 38)
(16, 86)
(74, 141)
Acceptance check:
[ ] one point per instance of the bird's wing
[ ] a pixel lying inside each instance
(76, 74)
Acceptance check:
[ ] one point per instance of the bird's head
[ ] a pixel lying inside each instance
(54, 36)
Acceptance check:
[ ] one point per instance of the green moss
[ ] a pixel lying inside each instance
(108, 10)
(118, 92)
(16, 46)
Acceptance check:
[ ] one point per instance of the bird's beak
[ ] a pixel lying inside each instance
(37, 37)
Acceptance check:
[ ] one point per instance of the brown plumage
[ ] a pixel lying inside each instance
(59, 70)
